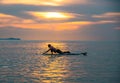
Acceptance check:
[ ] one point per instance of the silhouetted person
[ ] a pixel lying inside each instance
(55, 50)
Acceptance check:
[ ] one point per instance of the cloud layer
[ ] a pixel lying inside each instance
(45, 2)
(73, 19)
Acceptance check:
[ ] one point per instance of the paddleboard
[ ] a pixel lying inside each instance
(85, 53)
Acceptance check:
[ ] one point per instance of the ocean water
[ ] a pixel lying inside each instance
(22, 62)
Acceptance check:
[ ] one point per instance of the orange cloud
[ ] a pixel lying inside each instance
(51, 26)
(13, 21)
(61, 26)
(5, 15)
(4, 18)
(105, 22)
(9, 19)
(108, 15)
(45, 2)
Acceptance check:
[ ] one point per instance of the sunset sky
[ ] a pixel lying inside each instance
(60, 19)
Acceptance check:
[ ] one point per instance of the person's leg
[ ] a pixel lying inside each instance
(66, 52)
(85, 53)
(59, 51)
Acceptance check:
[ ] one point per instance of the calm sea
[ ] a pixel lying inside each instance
(22, 62)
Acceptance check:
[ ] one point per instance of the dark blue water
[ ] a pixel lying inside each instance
(22, 62)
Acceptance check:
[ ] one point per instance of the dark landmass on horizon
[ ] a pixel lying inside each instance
(10, 38)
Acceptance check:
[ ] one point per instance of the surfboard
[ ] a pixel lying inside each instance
(85, 53)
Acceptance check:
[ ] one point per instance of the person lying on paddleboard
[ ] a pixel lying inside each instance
(55, 50)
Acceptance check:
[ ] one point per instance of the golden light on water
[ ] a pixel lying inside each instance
(53, 71)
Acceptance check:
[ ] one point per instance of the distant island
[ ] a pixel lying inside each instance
(10, 39)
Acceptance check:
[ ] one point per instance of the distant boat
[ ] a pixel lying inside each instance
(10, 39)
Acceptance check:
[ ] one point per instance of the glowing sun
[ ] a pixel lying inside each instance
(55, 15)
(52, 15)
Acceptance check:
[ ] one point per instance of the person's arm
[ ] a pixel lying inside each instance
(46, 51)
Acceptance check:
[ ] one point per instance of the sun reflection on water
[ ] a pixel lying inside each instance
(55, 69)
(50, 69)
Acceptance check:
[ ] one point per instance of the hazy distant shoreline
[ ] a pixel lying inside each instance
(10, 39)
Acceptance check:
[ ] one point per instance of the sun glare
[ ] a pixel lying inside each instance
(52, 15)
